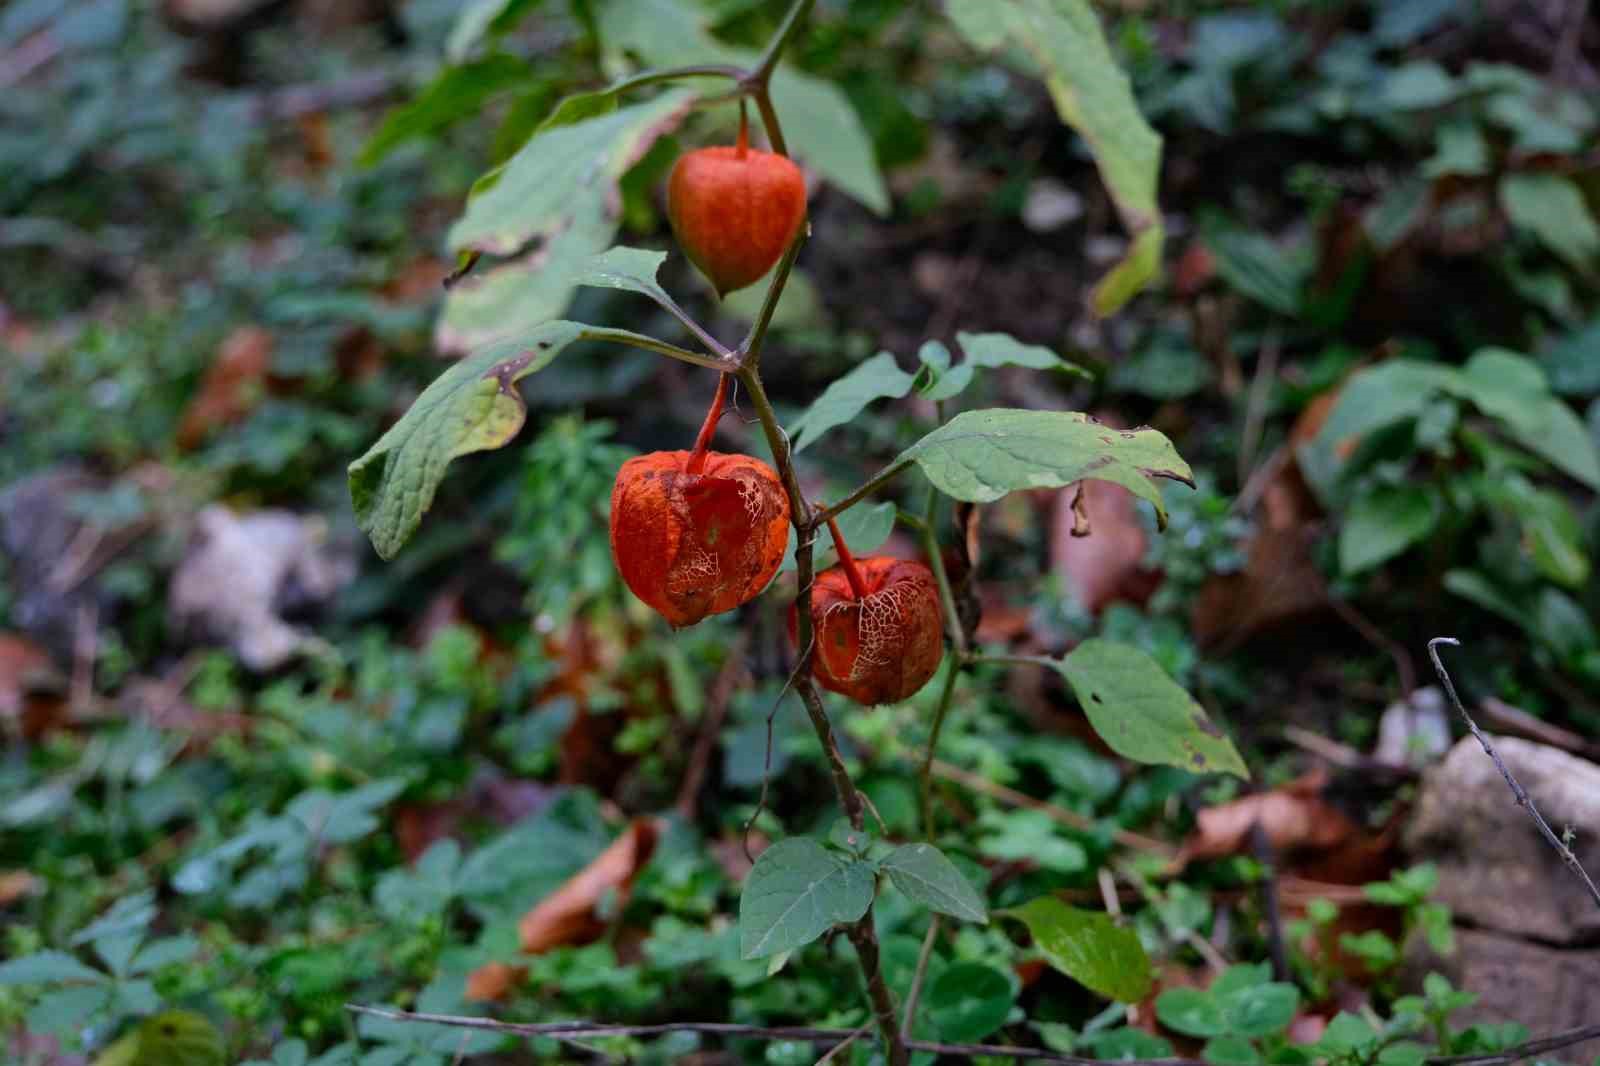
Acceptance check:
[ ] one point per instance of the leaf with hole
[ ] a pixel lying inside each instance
(1144, 715)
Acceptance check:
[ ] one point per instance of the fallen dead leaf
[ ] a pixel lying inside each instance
(568, 915)
(15, 884)
(1294, 817)
(490, 982)
(31, 689)
(231, 388)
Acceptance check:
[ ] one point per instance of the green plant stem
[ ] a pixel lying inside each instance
(947, 596)
(925, 771)
(867, 488)
(1016, 660)
(697, 70)
(769, 119)
(761, 73)
(660, 347)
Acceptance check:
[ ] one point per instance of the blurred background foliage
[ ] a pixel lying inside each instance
(252, 775)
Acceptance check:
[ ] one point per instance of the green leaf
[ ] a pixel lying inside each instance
(1230, 1051)
(1093, 96)
(985, 351)
(457, 92)
(980, 456)
(537, 192)
(1383, 523)
(822, 129)
(1369, 401)
(474, 406)
(46, 967)
(1088, 947)
(1512, 389)
(797, 891)
(1347, 1032)
(1261, 1010)
(923, 873)
(481, 18)
(179, 1038)
(628, 269)
(167, 951)
(876, 379)
(1552, 208)
(865, 528)
(1142, 714)
(969, 1000)
(1191, 1011)
(1255, 266)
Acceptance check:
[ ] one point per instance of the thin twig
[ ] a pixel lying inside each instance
(1261, 845)
(717, 703)
(1517, 790)
(1554, 1042)
(1397, 652)
(832, 1052)
(1256, 403)
(1127, 838)
(925, 771)
(908, 1020)
(766, 766)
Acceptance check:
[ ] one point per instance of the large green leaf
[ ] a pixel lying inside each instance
(474, 406)
(457, 92)
(536, 192)
(1088, 947)
(923, 873)
(1383, 523)
(1552, 208)
(1094, 97)
(876, 379)
(969, 1000)
(46, 967)
(1513, 389)
(1141, 713)
(796, 891)
(980, 456)
(1255, 266)
(821, 127)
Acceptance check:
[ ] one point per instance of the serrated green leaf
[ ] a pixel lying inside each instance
(822, 129)
(1088, 947)
(979, 456)
(46, 967)
(1094, 97)
(924, 874)
(876, 379)
(865, 528)
(969, 1000)
(1381, 524)
(474, 406)
(1142, 714)
(796, 891)
(458, 91)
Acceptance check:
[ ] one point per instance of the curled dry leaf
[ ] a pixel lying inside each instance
(31, 688)
(1294, 817)
(1101, 565)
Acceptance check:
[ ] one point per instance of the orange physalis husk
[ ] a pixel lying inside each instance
(735, 210)
(697, 533)
(879, 636)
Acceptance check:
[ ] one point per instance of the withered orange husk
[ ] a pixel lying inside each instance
(692, 545)
(735, 211)
(882, 647)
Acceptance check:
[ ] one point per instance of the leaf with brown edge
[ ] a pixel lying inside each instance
(472, 407)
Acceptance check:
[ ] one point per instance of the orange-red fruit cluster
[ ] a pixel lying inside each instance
(692, 544)
(884, 645)
(735, 211)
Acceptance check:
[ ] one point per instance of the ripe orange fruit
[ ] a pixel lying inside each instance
(735, 210)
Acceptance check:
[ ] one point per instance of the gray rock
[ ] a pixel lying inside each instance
(1495, 870)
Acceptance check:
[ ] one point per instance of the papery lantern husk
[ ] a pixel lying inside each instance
(697, 544)
(881, 646)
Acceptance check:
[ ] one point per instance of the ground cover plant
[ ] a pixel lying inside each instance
(1014, 645)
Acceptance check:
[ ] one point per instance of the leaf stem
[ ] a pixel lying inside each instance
(867, 488)
(761, 73)
(925, 771)
(660, 347)
(696, 70)
(750, 349)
